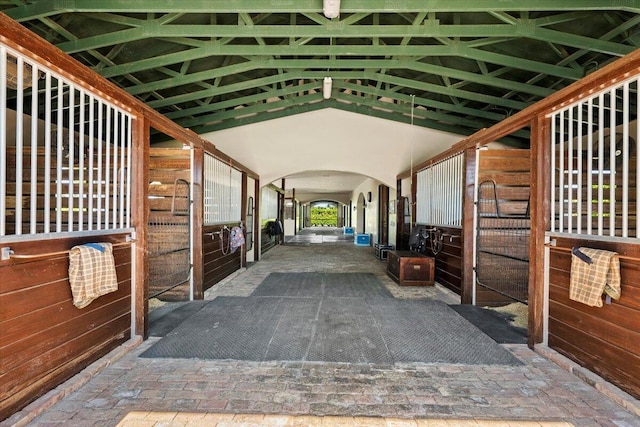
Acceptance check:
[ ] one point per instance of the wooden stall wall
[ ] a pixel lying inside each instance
(449, 260)
(219, 261)
(606, 340)
(45, 338)
(168, 224)
(511, 171)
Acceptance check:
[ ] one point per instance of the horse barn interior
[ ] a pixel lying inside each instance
(484, 140)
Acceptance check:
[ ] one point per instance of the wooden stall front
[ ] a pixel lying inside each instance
(502, 226)
(169, 226)
(45, 338)
(604, 339)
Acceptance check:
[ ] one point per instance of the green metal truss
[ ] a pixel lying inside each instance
(212, 64)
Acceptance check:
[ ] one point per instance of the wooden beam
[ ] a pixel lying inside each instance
(471, 157)
(197, 228)
(139, 220)
(540, 222)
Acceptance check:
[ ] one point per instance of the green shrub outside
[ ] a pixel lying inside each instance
(321, 216)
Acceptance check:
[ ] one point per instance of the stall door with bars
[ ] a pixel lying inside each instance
(502, 248)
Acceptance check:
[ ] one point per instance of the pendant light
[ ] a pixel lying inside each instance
(331, 8)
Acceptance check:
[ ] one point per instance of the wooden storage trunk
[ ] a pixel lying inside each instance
(410, 268)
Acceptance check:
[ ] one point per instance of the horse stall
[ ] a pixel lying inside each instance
(595, 159)
(438, 211)
(503, 225)
(169, 225)
(65, 174)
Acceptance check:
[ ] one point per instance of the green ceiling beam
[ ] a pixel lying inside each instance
(339, 85)
(401, 108)
(426, 102)
(357, 64)
(47, 8)
(241, 101)
(449, 91)
(350, 75)
(430, 28)
(193, 77)
(456, 49)
(271, 115)
(248, 84)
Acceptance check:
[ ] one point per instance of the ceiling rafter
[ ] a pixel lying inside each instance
(430, 28)
(43, 9)
(221, 64)
(456, 49)
(439, 70)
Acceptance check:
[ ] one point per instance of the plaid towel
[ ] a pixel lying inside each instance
(594, 272)
(92, 272)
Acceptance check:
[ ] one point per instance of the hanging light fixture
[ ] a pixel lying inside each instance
(326, 87)
(331, 8)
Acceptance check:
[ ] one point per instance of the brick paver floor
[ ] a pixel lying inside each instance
(133, 391)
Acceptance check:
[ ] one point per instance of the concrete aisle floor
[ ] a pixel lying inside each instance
(132, 391)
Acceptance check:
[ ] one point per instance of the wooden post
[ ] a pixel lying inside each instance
(539, 208)
(197, 228)
(257, 231)
(139, 218)
(399, 213)
(243, 217)
(468, 213)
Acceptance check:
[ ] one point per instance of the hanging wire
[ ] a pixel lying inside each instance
(413, 99)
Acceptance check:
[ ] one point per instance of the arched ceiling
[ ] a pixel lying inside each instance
(328, 142)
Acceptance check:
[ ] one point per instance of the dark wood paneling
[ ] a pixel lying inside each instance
(605, 339)
(449, 261)
(49, 339)
(217, 263)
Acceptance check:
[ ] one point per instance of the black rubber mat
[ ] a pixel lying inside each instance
(313, 285)
(492, 323)
(161, 321)
(349, 330)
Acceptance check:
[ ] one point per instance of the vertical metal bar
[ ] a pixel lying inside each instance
(121, 191)
(601, 111)
(129, 142)
(579, 160)
(81, 162)
(570, 172)
(59, 126)
(625, 160)
(99, 203)
(3, 140)
(107, 169)
(116, 143)
(33, 204)
(90, 171)
(561, 154)
(72, 145)
(19, 144)
(47, 152)
(589, 206)
(552, 220)
(612, 162)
